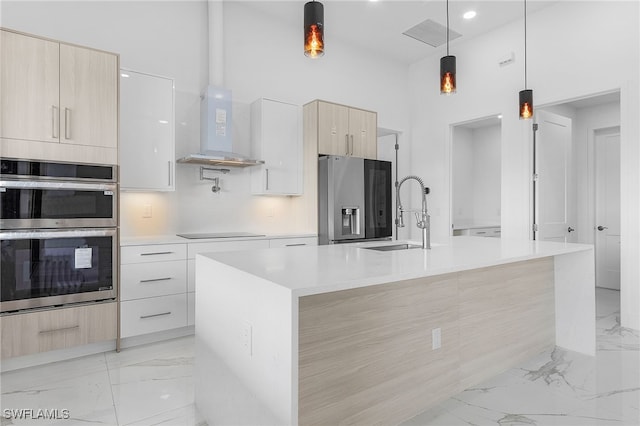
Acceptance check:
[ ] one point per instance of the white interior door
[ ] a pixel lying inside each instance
(607, 197)
(553, 148)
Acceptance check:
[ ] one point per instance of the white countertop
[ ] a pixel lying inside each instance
(318, 269)
(174, 239)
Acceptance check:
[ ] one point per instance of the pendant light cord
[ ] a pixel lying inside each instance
(525, 44)
(448, 27)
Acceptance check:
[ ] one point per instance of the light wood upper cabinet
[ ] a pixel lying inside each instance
(88, 97)
(346, 131)
(363, 131)
(29, 82)
(59, 101)
(333, 129)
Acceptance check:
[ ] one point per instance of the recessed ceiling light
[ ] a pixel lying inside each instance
(469, 15)
(499, 116)
(124, 75)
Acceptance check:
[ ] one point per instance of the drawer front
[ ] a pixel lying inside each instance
(43, 331)
(483, 232)
(152, 253)
(153, 314)
(191, 308)
(292, 242)
(140, 280)
(195, 248)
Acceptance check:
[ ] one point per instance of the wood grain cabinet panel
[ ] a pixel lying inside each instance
(59, 102)
(29, 83)
(507, 315)
(42, 331)
(367, 353)
(366, 356)
(344, 130)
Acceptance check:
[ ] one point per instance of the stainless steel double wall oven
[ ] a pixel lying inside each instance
(58, 232)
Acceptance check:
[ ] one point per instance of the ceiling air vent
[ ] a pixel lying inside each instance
(431, 33)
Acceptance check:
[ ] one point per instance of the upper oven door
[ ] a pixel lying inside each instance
(28, 204)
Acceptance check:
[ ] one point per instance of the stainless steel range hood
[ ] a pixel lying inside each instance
(216, 139)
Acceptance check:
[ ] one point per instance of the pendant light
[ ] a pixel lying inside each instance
(525, 98)
(313, 29)
(447, 67)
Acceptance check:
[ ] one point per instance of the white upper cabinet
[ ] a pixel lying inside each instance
(147, 135)
(276, 138)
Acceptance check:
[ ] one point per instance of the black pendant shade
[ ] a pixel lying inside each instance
(447, 67)
(313, 29)
(526, 104)
(448, 74)
(525, 97)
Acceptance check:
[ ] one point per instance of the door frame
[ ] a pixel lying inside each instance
(592, 184)
(450, 139)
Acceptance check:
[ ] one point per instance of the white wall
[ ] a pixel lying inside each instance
(272, 65)
(571, 49)
(462, 171)
(476, 175)
(486, 175)
(169, 38)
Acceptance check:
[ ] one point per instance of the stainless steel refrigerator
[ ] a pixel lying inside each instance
(354, 199)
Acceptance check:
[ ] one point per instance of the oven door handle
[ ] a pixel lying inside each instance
(26, 184)
(67, 233)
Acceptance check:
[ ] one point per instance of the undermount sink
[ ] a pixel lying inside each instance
(394, 247)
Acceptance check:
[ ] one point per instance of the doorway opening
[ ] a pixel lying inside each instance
(476, 164)
(592, 196)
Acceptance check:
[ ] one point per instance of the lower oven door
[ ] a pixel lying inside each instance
(47, 268)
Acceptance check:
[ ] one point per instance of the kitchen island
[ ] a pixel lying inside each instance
(344, 334)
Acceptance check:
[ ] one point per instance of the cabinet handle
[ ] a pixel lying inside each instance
(346, 144)
(155, 315)
(481, 232)
(155, 279)
(156, 253)
(351, 144)
(54, 113)
(59, 329)
(67, 123)
(295, 245)
(169, 172)
(267, 178)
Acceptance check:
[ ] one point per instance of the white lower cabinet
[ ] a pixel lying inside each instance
(153, 288)
(158, 282)
(153, 314)
(157, 279)
(491, 231)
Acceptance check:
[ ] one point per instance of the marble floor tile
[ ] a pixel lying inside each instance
(153, 385)
(87, 398)
(187, 416)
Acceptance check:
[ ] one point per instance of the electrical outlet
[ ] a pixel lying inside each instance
(247, 338)
(146, 211)
(436, 338)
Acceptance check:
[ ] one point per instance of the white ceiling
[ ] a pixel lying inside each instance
(378, 25)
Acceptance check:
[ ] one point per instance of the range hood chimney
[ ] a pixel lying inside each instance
(216, 142)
